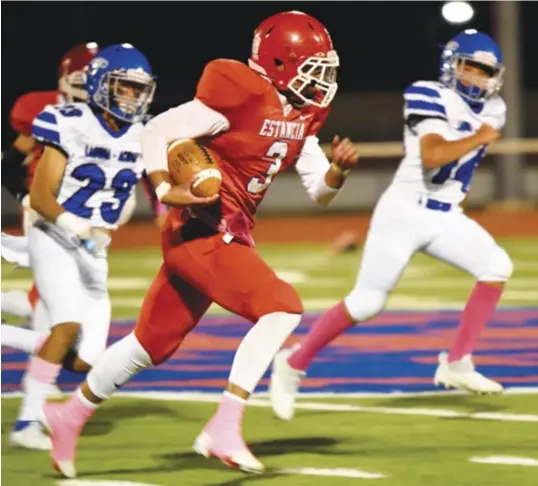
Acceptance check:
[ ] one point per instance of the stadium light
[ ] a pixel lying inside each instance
(457, 12)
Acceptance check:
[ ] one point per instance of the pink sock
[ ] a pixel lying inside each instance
(78, 409)
(43, 371)
(478, 310)
(330, 325)
(230, 411)
(225, 426)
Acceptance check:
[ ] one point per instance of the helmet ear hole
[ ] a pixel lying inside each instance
(279, 64)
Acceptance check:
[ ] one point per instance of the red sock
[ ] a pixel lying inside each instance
(329, 326)
(33, 296)
(478, 311)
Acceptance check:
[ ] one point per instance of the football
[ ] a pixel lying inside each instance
(189, 159)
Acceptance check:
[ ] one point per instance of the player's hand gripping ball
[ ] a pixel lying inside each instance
(190, 160)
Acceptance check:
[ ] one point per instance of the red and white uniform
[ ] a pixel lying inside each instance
(22, 114)
(209, 255)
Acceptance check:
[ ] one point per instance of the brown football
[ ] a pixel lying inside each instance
(190, 160)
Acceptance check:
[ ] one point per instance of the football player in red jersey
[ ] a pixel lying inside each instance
(260, 120)
(20, 160)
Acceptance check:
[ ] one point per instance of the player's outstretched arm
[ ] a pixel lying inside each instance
(47, 180)
(321, 178)
(436, 151)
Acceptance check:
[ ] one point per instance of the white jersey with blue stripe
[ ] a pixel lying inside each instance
(431, 107)
(102, 166)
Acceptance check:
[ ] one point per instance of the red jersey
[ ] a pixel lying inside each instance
(265, 138)
(25, 109)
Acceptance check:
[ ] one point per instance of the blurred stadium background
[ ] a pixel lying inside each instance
(402, 438)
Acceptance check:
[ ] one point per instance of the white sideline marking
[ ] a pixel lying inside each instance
(506, 460)
(100, 482)
(429, 412)
(520, 294)
(334, 473)
(327, 407)
(514, 390)
(173, 395)
(114, 283)
(412, 302)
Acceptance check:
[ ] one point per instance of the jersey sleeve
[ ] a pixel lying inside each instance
(312, 165)
(423, 99)
(50, 128)
(433, 125)
(496, 113)
(23, 113)
(227, 84)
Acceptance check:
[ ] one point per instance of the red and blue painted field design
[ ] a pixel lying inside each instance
(395, 352)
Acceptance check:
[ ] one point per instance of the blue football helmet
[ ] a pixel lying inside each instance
(472, 48)
(120, 81)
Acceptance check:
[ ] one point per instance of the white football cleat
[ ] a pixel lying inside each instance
(241, 458)
(462, 375)
(30, 435)
(284, 385)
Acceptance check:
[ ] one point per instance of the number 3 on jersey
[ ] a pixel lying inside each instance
(277, 151)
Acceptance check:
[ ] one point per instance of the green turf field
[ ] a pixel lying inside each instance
(322, 278)
(405, 441)
(148, 442)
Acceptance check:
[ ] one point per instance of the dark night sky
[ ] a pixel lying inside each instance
(382, 45)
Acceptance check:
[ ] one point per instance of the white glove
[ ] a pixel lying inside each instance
(73, 224)
(98, 242)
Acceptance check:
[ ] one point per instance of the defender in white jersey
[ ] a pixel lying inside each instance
(448, 126)
(88, 171)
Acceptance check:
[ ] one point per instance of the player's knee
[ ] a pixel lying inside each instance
(364, 303)
(119, 363)
(157, 347)
(499, 268)
(88, 352)
(287, 323)
(291, 301)
(279, 296)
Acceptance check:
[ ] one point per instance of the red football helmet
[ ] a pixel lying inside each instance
(72, 71)
(295, 51)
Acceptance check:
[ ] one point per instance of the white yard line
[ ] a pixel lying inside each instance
(332, 473)
(328, 407)
(99, 482)
(506, 460)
